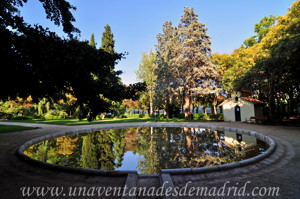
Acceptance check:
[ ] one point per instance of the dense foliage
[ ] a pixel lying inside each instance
(39, 63)
(270, 65)
(146, 73)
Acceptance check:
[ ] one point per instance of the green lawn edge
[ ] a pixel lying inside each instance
(71, 122)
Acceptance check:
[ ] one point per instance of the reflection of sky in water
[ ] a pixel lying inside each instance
(130, 161)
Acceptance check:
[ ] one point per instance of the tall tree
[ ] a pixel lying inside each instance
(146, 73)
(192, 55)
(92, 41)
(108, 42)
(165, 82)
(107, 45)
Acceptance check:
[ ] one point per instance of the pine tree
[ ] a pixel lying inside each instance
(165, 82)
(92, 41)
(108, 42)
(192, 57)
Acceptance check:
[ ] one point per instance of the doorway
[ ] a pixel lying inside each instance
(237, 110)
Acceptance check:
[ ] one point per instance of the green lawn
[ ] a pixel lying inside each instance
(12, 128)
(105, 121)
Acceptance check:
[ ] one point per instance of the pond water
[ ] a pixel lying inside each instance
(147, 150)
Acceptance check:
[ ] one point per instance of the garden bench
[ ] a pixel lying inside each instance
(262, 119)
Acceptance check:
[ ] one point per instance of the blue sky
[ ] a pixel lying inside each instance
(135, 23)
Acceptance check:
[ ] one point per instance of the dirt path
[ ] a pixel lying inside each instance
(281, 170)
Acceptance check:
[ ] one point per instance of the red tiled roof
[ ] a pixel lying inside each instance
(252, 100)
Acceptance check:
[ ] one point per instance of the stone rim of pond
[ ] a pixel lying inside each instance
(255, 159)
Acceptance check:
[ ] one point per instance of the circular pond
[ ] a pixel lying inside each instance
(148, 150)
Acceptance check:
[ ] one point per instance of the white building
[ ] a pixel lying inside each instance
(241, 107)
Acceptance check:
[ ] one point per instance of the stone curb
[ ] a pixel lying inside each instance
(168, 186)
(130, 183)
(179, 171)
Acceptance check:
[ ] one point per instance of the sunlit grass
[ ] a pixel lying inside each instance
(104, 121)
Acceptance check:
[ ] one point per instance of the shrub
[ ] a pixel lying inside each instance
(200, 116)
(79, 113)
(141, 115)
(29, 111)
(181, 116)
(135, 116)
(121, 116)
(217, 117)
(21, 118)
(160, 116)
(5, 115)
(55, 114)
(27, 117)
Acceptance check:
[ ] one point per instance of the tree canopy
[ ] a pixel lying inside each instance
(186, 57)
(276, 76)
(39, 63)
(108, 43)
(146, 73)
(270, 65)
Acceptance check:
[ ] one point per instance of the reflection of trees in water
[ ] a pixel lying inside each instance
(188, 147)
(148, 160)
(89, 152)
(104, 149)
(66, 144)
(94, 150)
(64, 150)
(158, 148)
(97, 151)
(117, 137)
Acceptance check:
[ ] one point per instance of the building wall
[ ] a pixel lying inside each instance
(247, 142)
(246, 110)
(228, 112)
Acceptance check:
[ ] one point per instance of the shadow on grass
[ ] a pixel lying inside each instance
(12, 128)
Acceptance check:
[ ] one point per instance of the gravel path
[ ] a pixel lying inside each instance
(281, 169)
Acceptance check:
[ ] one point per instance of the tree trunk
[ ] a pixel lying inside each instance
(214, 106)
(187, 107)
(167, 109)
(272, 105)
(151, 101)
(291, 104)
(151, 107)
(193, 108)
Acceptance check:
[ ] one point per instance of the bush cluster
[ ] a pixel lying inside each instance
(55, 114)
(210, 116)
